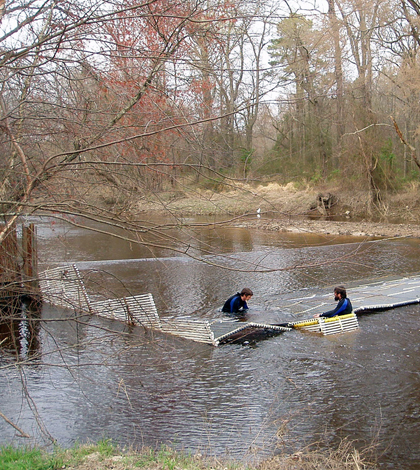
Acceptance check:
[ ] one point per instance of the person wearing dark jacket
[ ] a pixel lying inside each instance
(343, 307)
(238, 302)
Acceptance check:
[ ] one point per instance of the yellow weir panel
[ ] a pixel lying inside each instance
(328, 326)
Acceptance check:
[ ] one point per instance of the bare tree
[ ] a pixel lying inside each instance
(70, 94)
(338, 70)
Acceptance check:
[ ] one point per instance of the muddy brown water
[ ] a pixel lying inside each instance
(96, 378)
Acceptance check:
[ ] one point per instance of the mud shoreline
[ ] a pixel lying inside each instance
(287, 209)
(327, 227)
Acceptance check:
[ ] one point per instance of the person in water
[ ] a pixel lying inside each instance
(343, 307)
(238, 302)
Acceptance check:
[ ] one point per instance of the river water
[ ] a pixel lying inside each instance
(97, 378)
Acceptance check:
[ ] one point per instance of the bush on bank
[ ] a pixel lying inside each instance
(105, 455)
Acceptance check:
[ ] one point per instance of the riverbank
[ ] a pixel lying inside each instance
(104, 455)
(293, 209)
(328, 227)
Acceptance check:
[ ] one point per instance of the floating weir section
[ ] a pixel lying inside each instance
(65, 287)
(328, 326)
(372, 296)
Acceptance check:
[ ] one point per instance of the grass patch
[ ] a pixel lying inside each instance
(12, 458)
(27, 458)
(105, 455)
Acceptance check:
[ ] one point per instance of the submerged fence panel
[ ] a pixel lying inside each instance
(64, 287)
(138, 309)
(195, 330)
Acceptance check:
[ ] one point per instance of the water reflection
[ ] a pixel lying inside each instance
(20, 328)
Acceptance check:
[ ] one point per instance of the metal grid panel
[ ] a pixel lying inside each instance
(338, 324)
(138, 309)
(64, 287)
(328, 326)
(195, 330)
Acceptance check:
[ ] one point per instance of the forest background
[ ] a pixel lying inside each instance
(109, 106)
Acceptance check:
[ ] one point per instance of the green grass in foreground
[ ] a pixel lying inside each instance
(26, 458)
(104, 455)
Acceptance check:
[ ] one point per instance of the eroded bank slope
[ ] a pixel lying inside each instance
(287, 208)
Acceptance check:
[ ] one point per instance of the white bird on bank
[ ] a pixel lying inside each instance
(258, 212)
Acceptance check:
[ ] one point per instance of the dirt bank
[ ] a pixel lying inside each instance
(349, 228)
(287, 208)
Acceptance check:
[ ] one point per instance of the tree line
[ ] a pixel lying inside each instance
(125, 98)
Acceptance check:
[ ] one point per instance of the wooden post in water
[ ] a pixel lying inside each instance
(19, 281)
(19, 268)
(30, 263)
(9, 267)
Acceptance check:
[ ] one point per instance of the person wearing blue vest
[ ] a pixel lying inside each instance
(238, 302)
(343, 307)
